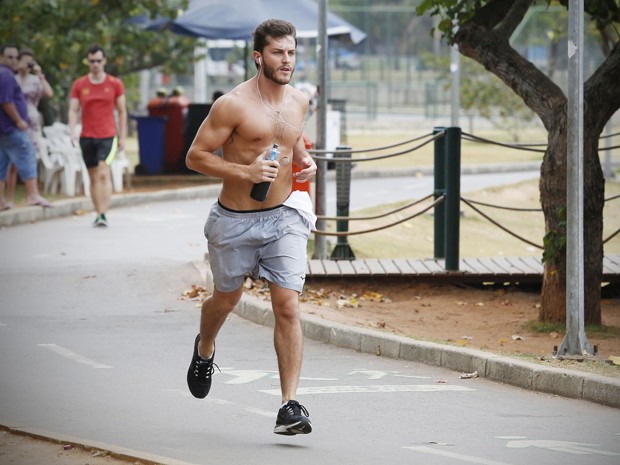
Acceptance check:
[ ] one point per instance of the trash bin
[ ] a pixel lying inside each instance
(174, 109)
(151, 130)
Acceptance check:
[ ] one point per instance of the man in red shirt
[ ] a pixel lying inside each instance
(98, 94)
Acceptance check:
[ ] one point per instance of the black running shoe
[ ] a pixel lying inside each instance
(101, 221)
(200, 372)
(292, 419)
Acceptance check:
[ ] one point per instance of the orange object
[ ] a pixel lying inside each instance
(302, 186)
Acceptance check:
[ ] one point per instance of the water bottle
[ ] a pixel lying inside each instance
(260, 190)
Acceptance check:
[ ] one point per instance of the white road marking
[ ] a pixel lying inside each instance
(578, 448)
(249, 376)
(66, 353)
(370, 389)
(461, 457)
(376, 374)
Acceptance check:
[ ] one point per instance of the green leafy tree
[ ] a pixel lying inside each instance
(483, 34)
(60, 31)
(484, 94)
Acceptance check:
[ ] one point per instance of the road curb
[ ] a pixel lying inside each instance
(526, 375)
(110, 450)
(74, 206)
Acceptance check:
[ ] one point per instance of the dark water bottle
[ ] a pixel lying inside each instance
(260, 190)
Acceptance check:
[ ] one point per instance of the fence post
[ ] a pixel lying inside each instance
(440, 189)
(453, 197)
(342, 250)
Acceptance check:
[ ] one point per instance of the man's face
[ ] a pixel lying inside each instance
(96, 62)
(9, 58)
(279, 58)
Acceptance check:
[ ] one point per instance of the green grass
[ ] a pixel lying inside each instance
(598, 331)
(478, 237)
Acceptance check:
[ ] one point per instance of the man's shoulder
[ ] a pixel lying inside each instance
(298, 94)
(236, 99)
(80, 81)
(116, 82)
(114, 79)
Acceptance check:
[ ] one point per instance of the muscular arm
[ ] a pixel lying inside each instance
(304, 160)
(217, 130)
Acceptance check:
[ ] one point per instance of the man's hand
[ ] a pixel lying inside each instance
(262, 169)
(308, 170)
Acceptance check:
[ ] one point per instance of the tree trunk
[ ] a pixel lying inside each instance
(485, 38)
(552, 187)
(553, 198)
(593, 204)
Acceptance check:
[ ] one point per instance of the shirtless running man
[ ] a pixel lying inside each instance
(268, 238)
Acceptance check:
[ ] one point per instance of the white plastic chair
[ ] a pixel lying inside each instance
(75, 173)
(120, 169)
(50, 167)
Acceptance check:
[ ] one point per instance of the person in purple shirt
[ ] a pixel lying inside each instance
(15, 144)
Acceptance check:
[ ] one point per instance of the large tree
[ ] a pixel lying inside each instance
(60, 31)
(483, 32)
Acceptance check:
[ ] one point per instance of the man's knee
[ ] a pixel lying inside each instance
(223, 302)
(100, 173)
(285, 306)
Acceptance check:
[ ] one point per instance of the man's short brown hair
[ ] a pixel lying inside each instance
(275, 28)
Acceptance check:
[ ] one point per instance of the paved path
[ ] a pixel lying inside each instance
(95, 343)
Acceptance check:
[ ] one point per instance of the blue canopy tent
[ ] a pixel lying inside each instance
(237, 19)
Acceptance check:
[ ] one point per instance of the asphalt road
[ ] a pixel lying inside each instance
(95, 344)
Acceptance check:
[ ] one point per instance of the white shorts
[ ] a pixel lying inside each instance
(270, 244)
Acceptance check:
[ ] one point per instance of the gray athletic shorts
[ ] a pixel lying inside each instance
(269, 244)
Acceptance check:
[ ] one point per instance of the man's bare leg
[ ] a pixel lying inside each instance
(288, 339)
(100, 187)
(215, 310)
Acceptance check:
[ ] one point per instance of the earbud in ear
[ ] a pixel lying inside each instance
(260, 61)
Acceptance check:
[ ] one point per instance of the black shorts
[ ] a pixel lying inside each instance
(96, 150)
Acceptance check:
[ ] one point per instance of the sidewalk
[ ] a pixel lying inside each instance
(566, 383)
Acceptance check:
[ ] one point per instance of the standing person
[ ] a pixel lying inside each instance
(15, 144)
(98, 94)
(246, 235)
(34, 85)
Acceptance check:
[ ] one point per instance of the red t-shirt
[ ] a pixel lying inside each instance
(98, 102)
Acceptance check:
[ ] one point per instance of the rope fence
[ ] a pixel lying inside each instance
(378, 157)
(379, 228)
(443, 144)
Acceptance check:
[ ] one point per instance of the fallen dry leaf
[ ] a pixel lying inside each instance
(197, 292)
(372, 296)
